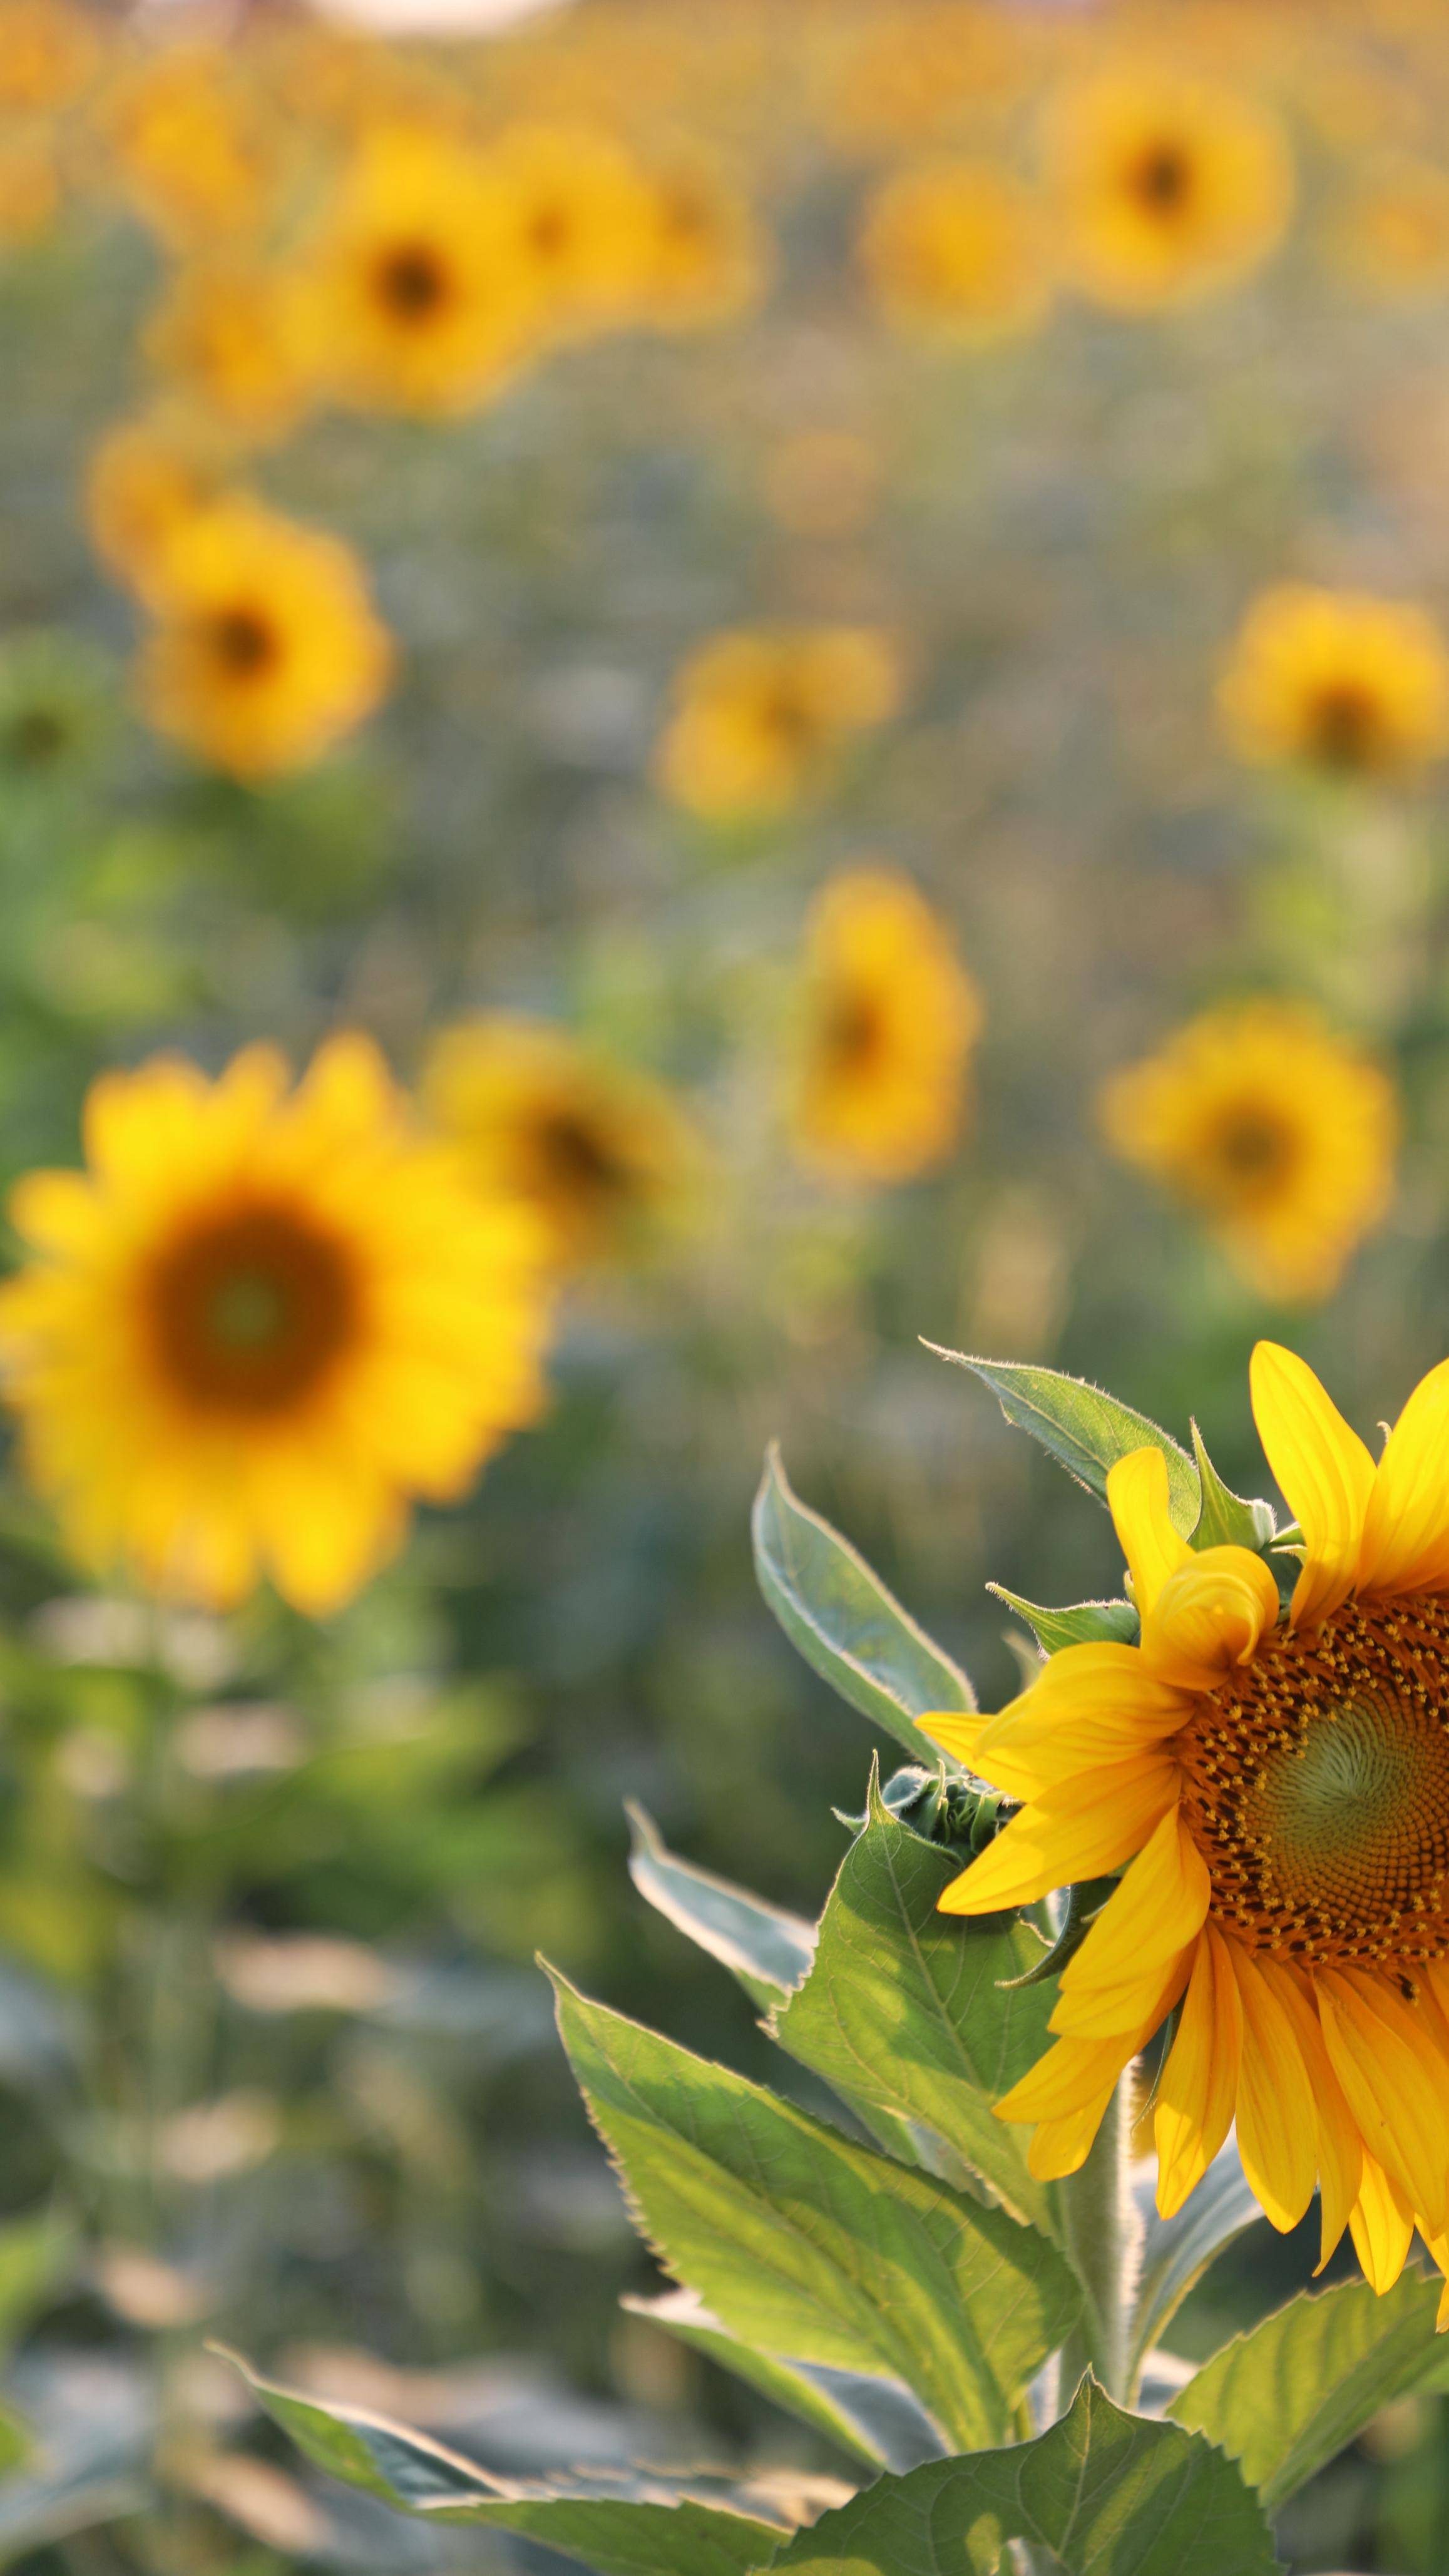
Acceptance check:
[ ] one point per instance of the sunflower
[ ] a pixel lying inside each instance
(1340, 679)
(144, 481)
(48, 53)
(598, 1153)
(1169, 188)
(1276, 1787)
(956, 249)
(890, 1017)
(190, 146)
(759, 711)
(583, 229)
(266, 648)
(1279, 1133)
(704, 256)
(238, 335)
(416, 303)
(258, 1324)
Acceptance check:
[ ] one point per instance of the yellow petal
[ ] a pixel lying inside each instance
(1276, 2123)
(1199, 2082)
(1060, 2147)
(1324, 1470)
(957, 1731)
(1080, 1831)
(1340, 2149)
(1137, 1499)
(1159, 1908)
(1406, 1531)
(1072, 2074)
(1208, 1616)
(1382, 2227)
(1394, 2082)
(56, 1211)
(1091, 1704)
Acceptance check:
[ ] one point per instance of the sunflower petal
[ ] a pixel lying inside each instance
(1080, 1831)
(1091, 1704)
(1137, 1500)
(1199, 2082)
(1208, 1616)
(1340, 2148)
(1405, 1544)
(1160, 1906)
(1276, 2123)
(1382, 2226)
(1395, 2083)
(1325, 1472)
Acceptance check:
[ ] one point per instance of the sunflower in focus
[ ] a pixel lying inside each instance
(259, 1324)
(237, 336)
(1282, 1137)
(1168, 189)
(956, 249)
(144, 482)
(890, 1017)
(190, 147)
(1340, 679)
(413, 288)
(599, 1154)
(758, 712)
(584, 229)
(1275, 1788)
(266, 648)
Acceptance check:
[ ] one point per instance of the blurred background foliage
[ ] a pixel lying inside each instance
(904, 386)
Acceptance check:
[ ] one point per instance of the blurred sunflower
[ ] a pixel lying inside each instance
(759, 711)
(583, 228)
(1168, 188)
(1393, 236)
(258, 1325)
(30, 192)
(890, 1017)
(1279, 1789)
(415, 299)
(958, 249)
(1277, 1132)
(266, 648)
(1338, 678)
(49, 52)
(705, 259)
(238, 337)
(190, 146)
(144, 480)
(599, 1154)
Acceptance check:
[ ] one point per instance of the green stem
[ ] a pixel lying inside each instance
(1103, 2241)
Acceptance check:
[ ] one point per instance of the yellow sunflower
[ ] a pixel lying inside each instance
(1341, 679)
(583, 230)
(190, 146)
(266, 648)
(144, 480)
(759, 711)
(600, 1154)
(237, 335)
(1282, 1136)
(1277, 1787)
(48, 53)
(704, 258)
(416, 301)
(1168, 188)
(957, 249)
(258, 1324)
(890, 1018)
(1393, 237)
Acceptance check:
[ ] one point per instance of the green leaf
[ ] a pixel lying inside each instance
(17, 2442)
(811, 2247)
(1284, 2398)
(1109, 2494)
(1226, 1520)
(1087, 1430)
(874, 2420)
(1177, 2251)
(848, 1627)
(37, 2255)
(1086, 1623)
(902, 2009)
(766, 1948)
(627, 2523)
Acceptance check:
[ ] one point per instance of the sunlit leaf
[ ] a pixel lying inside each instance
(1177, 2251)
(876, 2421)
(1085, 1623)
(766, 1948)
(1226, 1520)
(1087, 1430)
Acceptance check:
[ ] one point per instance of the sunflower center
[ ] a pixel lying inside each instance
(1344, 725)
(576, 1159)
(1250, 1152)
(243, 640)
(1317, 1789)
(412, 281)
(1161, 177)
(249, 1309)
(853, 1033)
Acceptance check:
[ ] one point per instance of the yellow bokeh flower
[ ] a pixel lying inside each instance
(1339, 678)
(1393, 236)
(1167, 188)
(957, 249)
(49, 52)
(704, 258)
(415, 298)
(258, 1325)
(600, 1154)
(190, 145)
(1282, 1137)
(889, 1020)
(144, 481)
(1276, 1790)
(583, 229)
(758, 712)
(238, 337)
(29, 187)
(266, 648)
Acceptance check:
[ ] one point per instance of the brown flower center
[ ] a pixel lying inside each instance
(853, 1034)
(1250, 1153)
(1344, 726)
(412, 281)
(249, 1309)
(1317, 1789)
(577, 1162)
(1161, 178)
(243, 641)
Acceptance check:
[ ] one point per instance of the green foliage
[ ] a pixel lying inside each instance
(1087, 1430)
(815, 2248)
(1177, 2251)
(1086, 1623)
(876, 2421)
(1284, 2398)
(1226, 1520)
(844, 1621)
(1107, 2493)
(902, 2009)
(766, 1948)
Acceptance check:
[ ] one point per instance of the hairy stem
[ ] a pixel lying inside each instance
(1103, 2241)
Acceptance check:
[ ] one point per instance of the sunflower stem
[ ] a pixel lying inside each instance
(1103, 2241)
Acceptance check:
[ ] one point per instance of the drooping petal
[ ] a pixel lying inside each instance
(1209, 1616)
(957, 1731)
(1340, 2148)
(1382, 2226)
(1067, 2092)
(1395, 2083)
(1080, 1831)
(1157, 1911)
(1324, 1470)
(1137, 1499)
(1092, 1704)
(1277, 2128)
(1405, 1545)
(1199, 2082)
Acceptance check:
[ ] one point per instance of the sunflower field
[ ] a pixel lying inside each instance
(724, 739)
